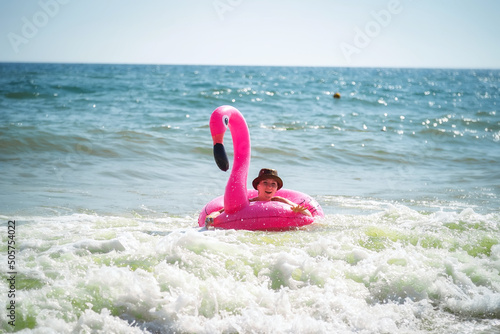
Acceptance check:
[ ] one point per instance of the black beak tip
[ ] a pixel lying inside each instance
(221, 157)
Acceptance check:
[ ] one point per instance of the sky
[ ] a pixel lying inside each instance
(347, 33)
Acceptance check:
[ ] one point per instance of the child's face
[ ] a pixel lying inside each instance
(267, 188)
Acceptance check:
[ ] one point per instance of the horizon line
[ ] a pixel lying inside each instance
(245, 65)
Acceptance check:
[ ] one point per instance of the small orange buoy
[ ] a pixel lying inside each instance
(336, 95)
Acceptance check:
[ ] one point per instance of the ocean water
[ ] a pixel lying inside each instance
(104, 169)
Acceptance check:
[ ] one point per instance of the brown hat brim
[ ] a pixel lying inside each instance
(257, 180)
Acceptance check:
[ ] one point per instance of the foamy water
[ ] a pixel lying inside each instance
(396, 270)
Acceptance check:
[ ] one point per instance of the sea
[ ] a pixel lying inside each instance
(105, 168)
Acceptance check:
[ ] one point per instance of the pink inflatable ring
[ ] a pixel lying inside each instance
(239, 212)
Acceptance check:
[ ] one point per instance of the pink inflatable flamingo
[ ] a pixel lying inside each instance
(239, 212)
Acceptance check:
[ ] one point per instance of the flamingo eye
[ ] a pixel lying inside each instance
(225, 119)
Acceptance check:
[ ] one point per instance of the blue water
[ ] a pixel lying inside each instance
(105, 168)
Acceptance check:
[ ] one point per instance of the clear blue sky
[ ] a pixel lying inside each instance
(375, 33)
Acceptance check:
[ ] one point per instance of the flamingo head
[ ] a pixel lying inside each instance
(219, 122)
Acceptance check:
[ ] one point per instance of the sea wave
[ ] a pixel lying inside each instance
(394, 269)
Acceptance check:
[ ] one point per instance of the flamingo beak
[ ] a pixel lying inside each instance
(220, 157)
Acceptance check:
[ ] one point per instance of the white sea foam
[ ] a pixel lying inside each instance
(395, 270)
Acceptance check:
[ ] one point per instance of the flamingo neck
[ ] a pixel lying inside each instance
(235, 196)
